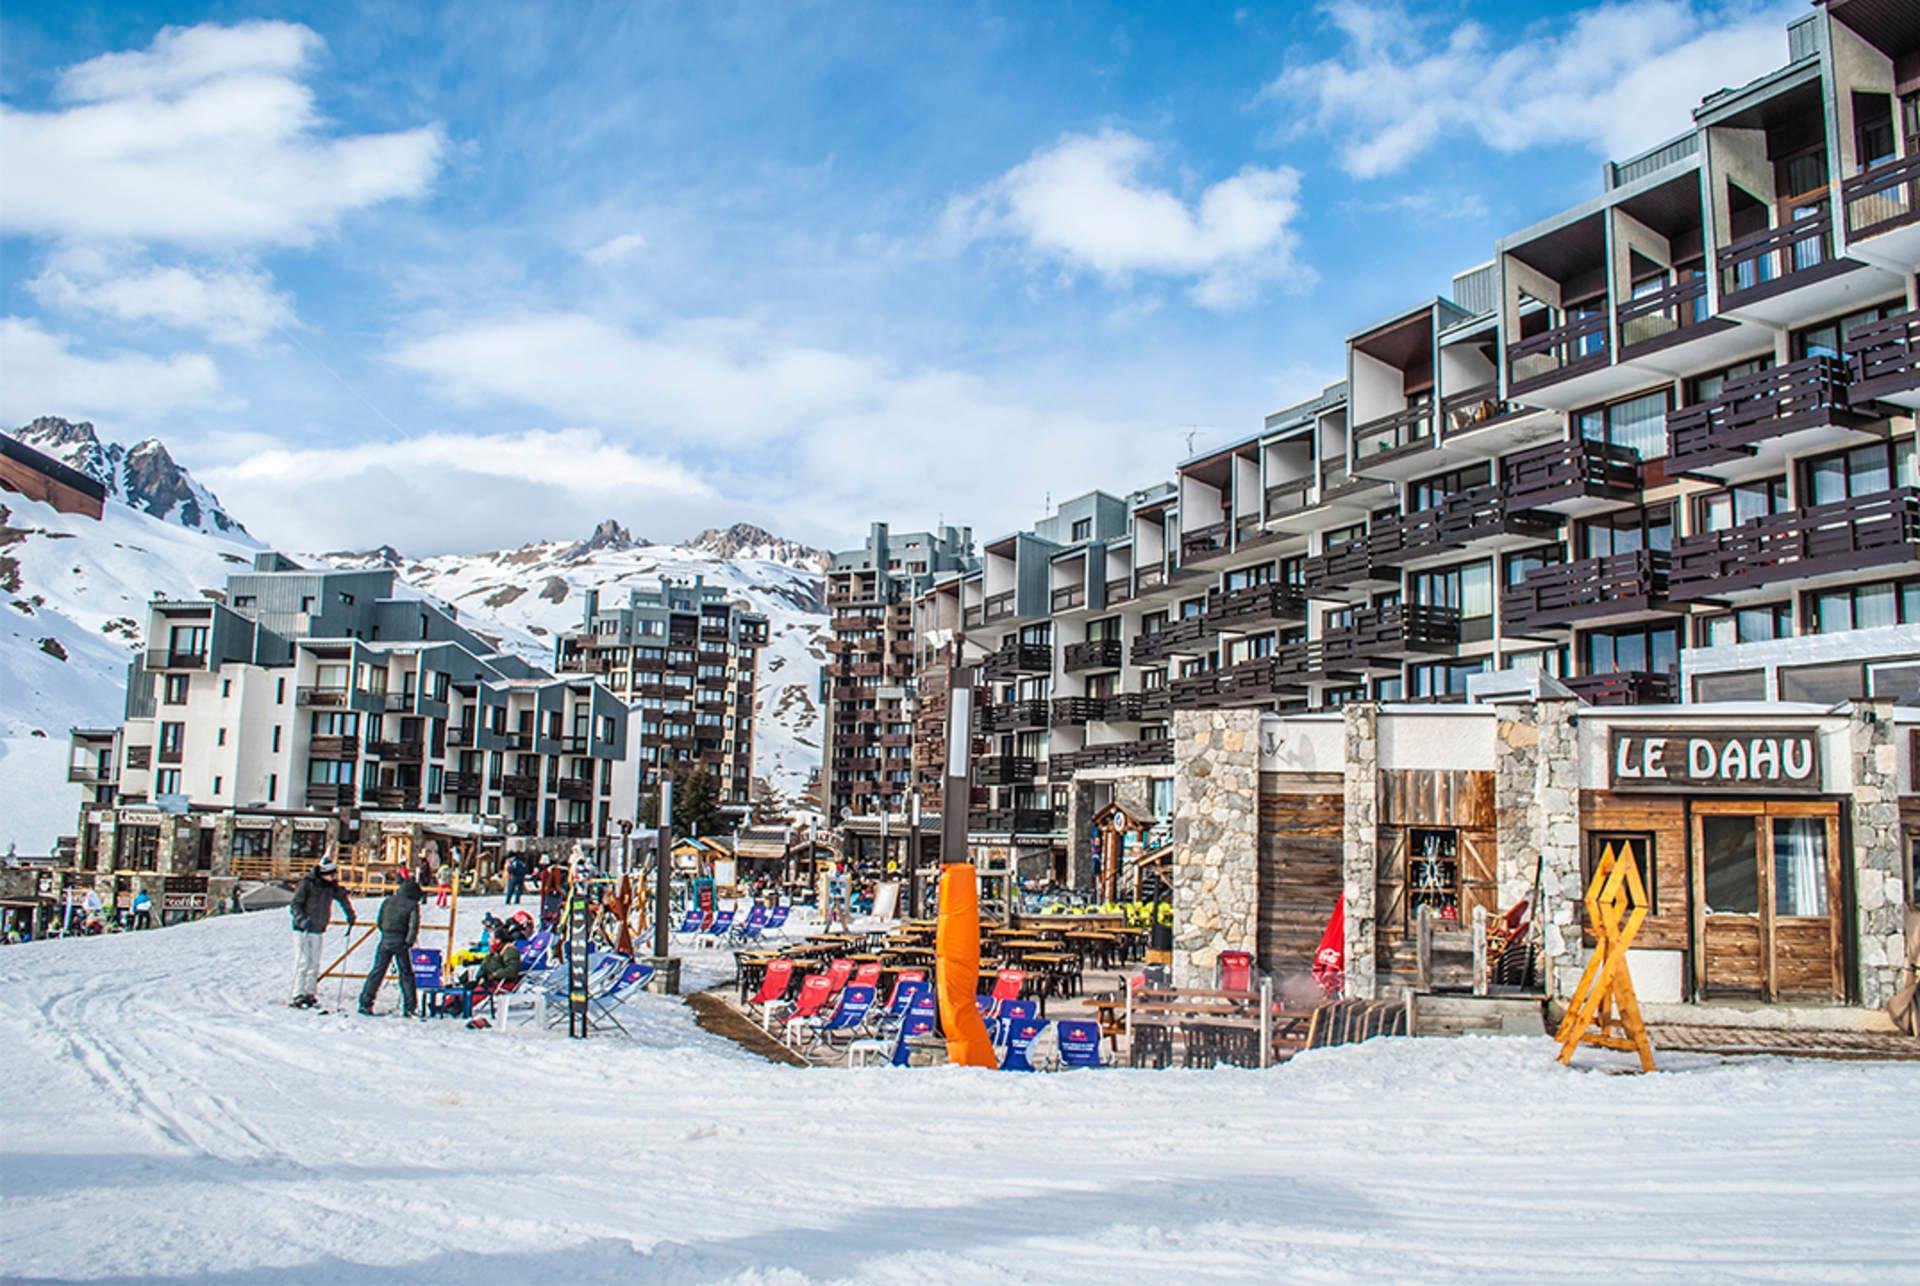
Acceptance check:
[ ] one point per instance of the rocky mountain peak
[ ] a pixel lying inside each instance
(745, 540)
(145, 477)
(607, 534)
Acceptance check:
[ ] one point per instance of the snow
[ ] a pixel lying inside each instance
(180, 1121)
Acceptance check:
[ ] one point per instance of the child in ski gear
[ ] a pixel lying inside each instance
(399, 921)
(312, 910)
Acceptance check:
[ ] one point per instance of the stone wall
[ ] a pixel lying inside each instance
(1216, 824)
(1877, 839)
(1132, 791)
(1360, 846)
(1536, 791)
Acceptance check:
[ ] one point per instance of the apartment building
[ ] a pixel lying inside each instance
(868, 686)
(1659, 448)
(303, 707)
(688, 660)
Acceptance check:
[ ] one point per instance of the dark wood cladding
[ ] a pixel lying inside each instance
(1565, 349)
(1014, 716)
(1884, 357)
(1377, 639)
(1393, 435)
(1015, 821)
(1568, 593)
(1775, 260)
(1068, 711)
(1882, 198)
(1845, 536)
(1625, 688)
(333, 748)
(1017, 658)
(1809, 393)
(1118, 754)
(1560, 472)
(1006, 770)
(1478, 513)
(1099, 654)
(1188, 636)
(1203, 542)
(1300, 877)
(1255, 607)
(1345, 567)
(1664, 317)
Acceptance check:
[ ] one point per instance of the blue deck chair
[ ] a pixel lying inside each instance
(692, 922)
(1021, 1034)
(898, 1048)
(719, 928)
(425, 963)
(884, 1018)
(846, 1018)
(619, 984)
(1079, 1043)
(1010, 1013)
(777, 919)
(750, 929)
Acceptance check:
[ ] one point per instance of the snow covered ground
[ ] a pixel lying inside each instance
(167, 1117)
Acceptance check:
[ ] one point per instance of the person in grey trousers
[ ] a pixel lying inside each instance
(312, 909)
(399, 922)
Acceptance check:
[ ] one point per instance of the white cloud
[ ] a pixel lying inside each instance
(208, 137)
(1084, 203)
(41, 375)
(231, 305)
(1617, 78)
(616, 249)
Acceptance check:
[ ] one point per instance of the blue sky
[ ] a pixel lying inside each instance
(459, 277)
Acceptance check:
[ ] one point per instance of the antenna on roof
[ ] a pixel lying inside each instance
(1191, 431)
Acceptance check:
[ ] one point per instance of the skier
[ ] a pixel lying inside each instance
(399, 921)
(312, 909)
(516, 878)
(142, 910)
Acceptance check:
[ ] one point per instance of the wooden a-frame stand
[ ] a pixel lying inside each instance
(1604, 1011)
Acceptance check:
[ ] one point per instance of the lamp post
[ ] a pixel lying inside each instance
(957, 786)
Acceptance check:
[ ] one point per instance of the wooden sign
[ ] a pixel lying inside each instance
(1603, 1009)
(1715, 760)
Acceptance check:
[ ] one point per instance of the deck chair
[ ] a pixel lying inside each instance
(815, 991)
(896, 1049)
(536, 953)
(1008, 986)
(628, 982)
(1009, 1014)
(1078, 1042)
(718, 930)
(692, 922)
(777, 920)
(867, 975)
(1233, 971)
(773, 988)
(838, 972)
(846, 1017)
(905, 992)
(1021, 1035)
(750, 929)
(430, 987)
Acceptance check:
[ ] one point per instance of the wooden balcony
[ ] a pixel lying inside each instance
(1187, 637)
(1156, 703)
(398, 798)
(329, 794)
(1346, 567)
(1392, 435)
(1626, 688)
(1566, 350)
(1378, 639)
(520, 786)
(323, 697)
(571, 830)
(1458, 522)
(1752, 409)
(1014, 716)
(574, 788)
(1017, 658)
(1775, 260)
(1884, 360)
(999, 606)
(1880, 530)
(163, 659)
(1005, 770)
(460, 783)
(853, 622)
(1118, 590)
(1288, 497)
(1196, 691)
(1068, 712)
(1121, 707)
(403, 750)
(333, 748)
(1571, 477)
(1119, 754)
(1255, 607)
(1015, 821)
(1666, 317)
(1100, 654)
(1582, 592)
(1203, 542)
(1882, 198)
(1479, 407)
(1068, 597)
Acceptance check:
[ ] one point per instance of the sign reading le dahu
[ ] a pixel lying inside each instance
(1714, 759)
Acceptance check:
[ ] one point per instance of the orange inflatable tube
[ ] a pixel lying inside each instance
(957, 968)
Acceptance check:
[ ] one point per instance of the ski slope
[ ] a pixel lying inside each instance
(167, 1117)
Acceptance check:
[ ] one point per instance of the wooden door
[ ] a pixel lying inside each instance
(1766, 893)
(1479, 876)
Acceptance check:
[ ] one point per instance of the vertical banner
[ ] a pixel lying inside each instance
(577, 957)
(957, 968)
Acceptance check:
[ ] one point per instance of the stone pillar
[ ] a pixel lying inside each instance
(1361, 845)
(1216, 834)
(1516, 757)
(1556, 811)
(1879, 927)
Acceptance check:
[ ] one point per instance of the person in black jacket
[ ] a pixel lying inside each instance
(399, 923)
(312, 909)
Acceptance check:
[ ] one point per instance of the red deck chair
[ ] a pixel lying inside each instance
(816, 989)
(904, 976)
(1007, 986)
(1234, 972)
(773, 988)
(837, 974)
(867, 975)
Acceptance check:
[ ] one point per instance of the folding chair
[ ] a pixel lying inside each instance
(1078, 1042)
(749, 930)
(867, 975)
(773, 988)
(899, 1004)
(631, 979)
(716, 931)
(1008, 1015)
(777, 920)
(815, 991)
(1021, 1034)
(1233, 971)
(846, 1017)
(428, 984)
(838, 972)
(692, 922)
(899, 1049)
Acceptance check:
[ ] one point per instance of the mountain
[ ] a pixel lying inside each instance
(143, 476)
(744, 540)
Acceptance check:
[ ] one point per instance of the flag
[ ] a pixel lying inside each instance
(1329, 961)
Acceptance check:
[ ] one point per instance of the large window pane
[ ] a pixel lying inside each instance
(1873, 606)
(1640, 425)
(1476, 590)
(1733, 878)
(1799, 866)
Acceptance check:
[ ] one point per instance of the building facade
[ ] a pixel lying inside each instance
(1660, 448)
(869, 684)
(688, 660)
(306, 708)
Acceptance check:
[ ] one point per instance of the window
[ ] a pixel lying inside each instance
(226, 688)
(1431, 491)
(1863, 471)
(1825, 684)
(216, 785)
(173, 739)
(1082, 529)
(1639, 843)
(276, 738)
(273, 787)
(138, 847)
(166, 782)
(252, 841)
(1639, 424)
(1654, 648)
(1863, 607)
(306, 604)
(174, 691)
(242, 601)
(1628, 531)
(1828, 339)
(1746, 625)
(279, 692)
(1105, 629)
(1468, 589)
(1731, 685)
(1247, 577)
(309, 842)
(1520, 565)
(220, 736)
(1334, 698)
(1442, 678)
(1719, 510)
(1388, 689)
(1899, 680)
(1433, 873)
(326, 772)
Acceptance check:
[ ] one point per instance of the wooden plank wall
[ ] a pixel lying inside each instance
(1669, 926)
(1300, 869)
(1454, 798)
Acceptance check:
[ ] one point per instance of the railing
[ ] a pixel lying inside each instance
(1121, 707)
(1118, 754)
(394, 701)
(333, 748)
(1118, 590)
(1097, 654)
(1196, 691)
(974, 616)
(1390, 433)
(171, 754)
(1183, 636)
(90, 774)
(519, 786)
(164, 659)
(321, 696)
(1068, 597)
(1344, 567)
(394, 749)
(1015, 821)
(1255, 605)
(574, 788)
(1202, 542)
(1554, 474)
(1288, 497)
(999, 606)
(1375, 635)
(1151, 578)
(1568, 349)
(1017, 658)
(1006, 770)
(1333, 477)
(1477, 408)
(1883, 198)
(1625, 688)
(395, 797)
(1654, 316)
(1754, 408)
(1753, 262)
(1568, 593)
(1884, 357)
(1069, 711)
(328, 794)
(572, 830)
(460, 783)
(1460, 519)
(1848, 535)
(1013, 716)
(1156, 703)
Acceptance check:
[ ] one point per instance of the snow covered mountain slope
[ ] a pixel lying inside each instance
(73, 596)
(143, 476)
(530, 594)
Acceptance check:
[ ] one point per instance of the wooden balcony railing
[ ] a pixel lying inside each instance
(1255, 606)
(1183, 637)
(1459, 520)
(329, 794)
(139, 757)
(1334, 477)
(1068, 597)
(1099, 654)
(1202, 542)
(1477, 408)
(461, 783)
(1568, 349)
(333, 748)
(314, 696)
(395, 749)
(1625, 688)
(164, 659)
(1005, 770)
(1653, 317)
(1806, 394)
(1118, 590)
(1344, 567)
(1884, 357)
(1560, 472)
(1882, 198)
(173, 754)
(519, 786)
(1017, 658)
(1014, 716)
(1000, 606)
(1118, 754)
(1195, 691)
(1390, 434)
(1569, 593)
(1879, 530)
(1756, 265)
(574, 788)
(1288, 497)
(1015, 821)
